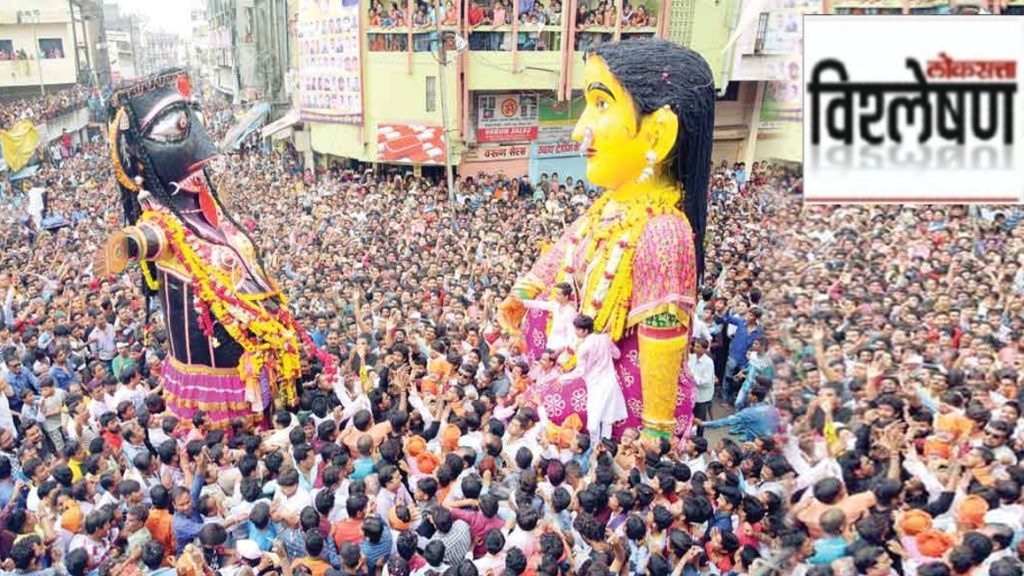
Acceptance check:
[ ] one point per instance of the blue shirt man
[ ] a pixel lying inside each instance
(758, 419)
(747, 331)
(187, 522)
(20, 380)
(376, 542)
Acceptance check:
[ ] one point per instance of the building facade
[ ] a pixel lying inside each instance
(37, 48)
(224, 17)
(122, 56)
(507, 95)
(199, 56)
(123, 42)
(248, 47)
(160, 50)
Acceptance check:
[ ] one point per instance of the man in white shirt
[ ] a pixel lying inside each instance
(703, 370)
(130, 389)
(701, 331)
(392, 491)
(290, 497)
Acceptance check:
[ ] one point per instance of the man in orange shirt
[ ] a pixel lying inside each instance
(351, 529)
(831, 493)
(160, 521)
(314, 548)
(362, 423)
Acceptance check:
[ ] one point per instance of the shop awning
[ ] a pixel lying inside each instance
(246, 125)
(281, 124)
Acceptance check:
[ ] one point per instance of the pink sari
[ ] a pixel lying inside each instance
(664, 273)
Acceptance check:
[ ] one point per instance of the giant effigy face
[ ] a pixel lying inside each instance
(157, 133)
(649, 122)
(614, 137)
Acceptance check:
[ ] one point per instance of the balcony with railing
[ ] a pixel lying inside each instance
(26, 72)
(496, 28)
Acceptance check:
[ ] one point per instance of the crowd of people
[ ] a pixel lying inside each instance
(858, 374)
(42, 108)
(487, 20)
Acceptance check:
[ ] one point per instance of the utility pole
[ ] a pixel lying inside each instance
(74, 41)
(442, 64)
(34, 18)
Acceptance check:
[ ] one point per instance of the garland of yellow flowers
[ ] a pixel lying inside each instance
(150, 281)
(609, 286)
(267, 339)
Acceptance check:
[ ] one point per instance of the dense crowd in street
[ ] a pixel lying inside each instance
(858, 375)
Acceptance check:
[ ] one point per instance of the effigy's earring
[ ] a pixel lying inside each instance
(648, 172)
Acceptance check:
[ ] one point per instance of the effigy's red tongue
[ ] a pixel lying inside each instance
(208, 206)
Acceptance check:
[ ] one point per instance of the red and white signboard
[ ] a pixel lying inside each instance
(506, 118)
(509, 152)
(410, 144)
(557, 149)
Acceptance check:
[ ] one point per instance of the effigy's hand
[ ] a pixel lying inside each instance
(510, 314)
(113, 259)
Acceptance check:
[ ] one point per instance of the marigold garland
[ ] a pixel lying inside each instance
(151, 282)
(270, 339)
(608, 280)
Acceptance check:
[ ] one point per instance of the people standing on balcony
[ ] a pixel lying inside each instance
(640, 17)
(554, 15)
(609, 21)
(477, 17)
(627, 13)
(396, 17)
(451, 15)
(498, 37)
(420, 22)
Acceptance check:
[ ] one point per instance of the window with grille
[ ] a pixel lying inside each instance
(431, 93)
(762, 30)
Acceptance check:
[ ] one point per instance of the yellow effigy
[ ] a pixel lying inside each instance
(634, 258)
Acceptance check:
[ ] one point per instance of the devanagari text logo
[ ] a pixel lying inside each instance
(909, 116)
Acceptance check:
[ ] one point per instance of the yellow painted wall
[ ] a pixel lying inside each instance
(737, 112)
(26, 73)
(785, 145)
(493, 71)
(710, 32)
(391, 95)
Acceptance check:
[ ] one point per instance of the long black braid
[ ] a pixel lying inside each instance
(658, 73)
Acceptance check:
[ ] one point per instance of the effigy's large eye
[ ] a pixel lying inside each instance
(170, 127)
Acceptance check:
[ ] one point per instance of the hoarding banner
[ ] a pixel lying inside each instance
(783, 99)
(557, 118)
(330, 70)
(402, 143)
(506, 118)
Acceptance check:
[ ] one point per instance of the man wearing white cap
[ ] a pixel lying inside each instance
(250, 555)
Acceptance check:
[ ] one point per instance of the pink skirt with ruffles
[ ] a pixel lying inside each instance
(219, 392)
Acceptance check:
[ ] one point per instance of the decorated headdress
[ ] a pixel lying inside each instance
(157, 141)
(658, 73)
